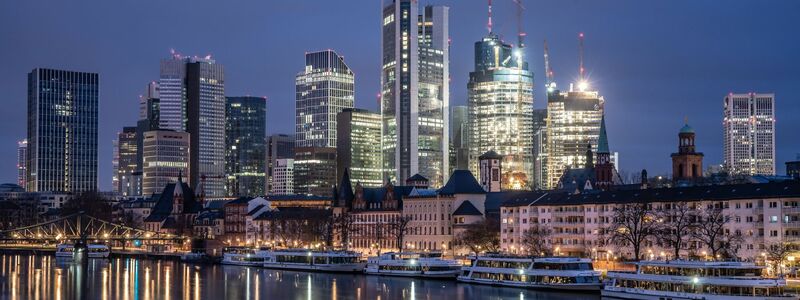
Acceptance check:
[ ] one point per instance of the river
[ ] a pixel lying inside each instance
(44, 277)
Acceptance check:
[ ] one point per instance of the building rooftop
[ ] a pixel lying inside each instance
(467, 209)
(461, 182)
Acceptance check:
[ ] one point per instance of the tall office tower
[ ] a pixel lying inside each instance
(283, 177)
(22, 160)
(314, 170)
(245, 129)
(148, 103)
(127, 163)
(573, 122)
(279, 146)
(323, 89)
(358, 147)
(459, 137)
(501, 110)
(149, 119)
(192, 99)
(115, 165)
(539, 149)
(166, 156)
(62, 131)
(415, 91)
(750, 133)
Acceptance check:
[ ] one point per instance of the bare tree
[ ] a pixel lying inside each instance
(378, 233)
(677, 222)
(481, 236)
(777, 253)
(398, 228)
(633, 224)
(537, 240)
(344, 225)
(712, 233)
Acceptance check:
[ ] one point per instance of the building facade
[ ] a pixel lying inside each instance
(415, 91)
(245, 150)
(573, 122)
(22, 159)
(62, 131)
(749, 122)
(358, 148)
(500, 101)
(687, 163)
(192, 99)
(539, 149)
(127, 163)
(282, 177)
(314, 170)
(459, 138)
(323, 89)
(166, 158)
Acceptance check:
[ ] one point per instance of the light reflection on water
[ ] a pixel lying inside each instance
(44, 277)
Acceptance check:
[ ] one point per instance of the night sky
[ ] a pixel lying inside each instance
(655, 62)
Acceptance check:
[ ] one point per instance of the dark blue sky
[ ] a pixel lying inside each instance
(654, 61)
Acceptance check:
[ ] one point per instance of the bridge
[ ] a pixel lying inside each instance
(83, 227)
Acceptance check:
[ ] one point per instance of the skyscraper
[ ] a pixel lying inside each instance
(539, 149)
(192, 99)
(415, 91)
(501, 110)
(314, 170)
(115, 165)
(62, 131)
(22, 158)
(283, 177)
(166, 156)
(749, 124)
(459, 137)
(279, 146)
(323, 89)
(149, 119)
(245, 129)
(358, 147)
(573, 122)
(127, 162)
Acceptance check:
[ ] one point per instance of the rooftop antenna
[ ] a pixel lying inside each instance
(547, 70)
(489, 25)
(580, 53)
(520, 32)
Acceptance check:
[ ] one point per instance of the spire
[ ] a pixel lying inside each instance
(345, 194)
(489, 25)
(602, 142)
(180, 175)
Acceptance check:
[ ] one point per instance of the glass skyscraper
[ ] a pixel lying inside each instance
(192, 99)
(245, 129)
(415, 91)
(500, 93)
(359, 147)
(62, 131)
(279, 146)
(323, 89)
(166, 156)
(127, 163)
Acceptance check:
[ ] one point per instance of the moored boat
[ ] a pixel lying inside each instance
(92, 251)
(557, 273)
(244, 256)
(708, 280)
(308, 260)
(413, 264)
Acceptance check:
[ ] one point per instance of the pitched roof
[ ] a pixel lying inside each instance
(163, 207)
(467, 209)
(602, 141)
(240, 200)
(491, 154)
(417, 177)
(576, 179)
(786, 189)
(344, 196)
(461, 182)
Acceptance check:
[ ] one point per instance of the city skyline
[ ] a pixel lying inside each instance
(613, 69)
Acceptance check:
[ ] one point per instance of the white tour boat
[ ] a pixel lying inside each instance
(244, 256)
(413, 264)
(678, 280)
(93, 250)
(308, 260)
(559, 273)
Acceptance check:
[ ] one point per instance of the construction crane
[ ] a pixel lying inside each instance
(520, 32)
(549, 82)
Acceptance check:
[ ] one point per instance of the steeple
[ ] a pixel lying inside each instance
(602, 141)
(345, 193)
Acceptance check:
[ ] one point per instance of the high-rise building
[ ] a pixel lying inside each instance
(166, 156)
(415, 91)
(115, 165)
(314, 170)
(539, 149)
(245, 129)
(459, 138)
(501, 110)
(279, 146)
(127, 163)
(323, 89)
(749, 134)
(283, 177)
(149, 119)
(573, 122)
(62, 131)
(358, 147)
(192, 99)
(22, 160)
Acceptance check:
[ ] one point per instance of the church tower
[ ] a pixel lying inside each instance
(687, 164)
(604, 169)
